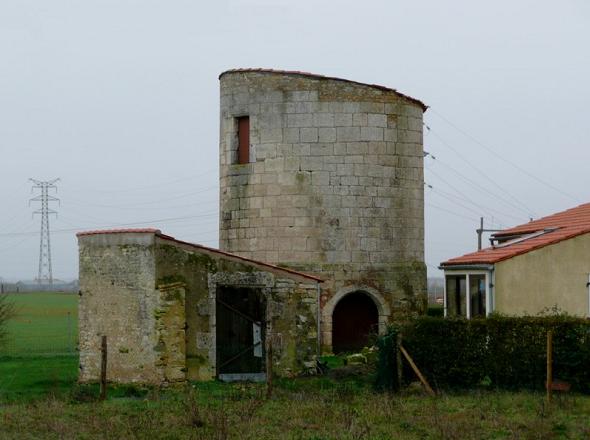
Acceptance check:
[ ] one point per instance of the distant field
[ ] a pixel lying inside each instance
(46, 323)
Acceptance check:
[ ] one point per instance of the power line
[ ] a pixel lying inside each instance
(142, 208)
(452, 198)
(15, 244)
(479, 170)
(45, 274)
(118, 225)
(151, 202)
(451, 212)
(155, 185)
(480, 187)
(502, 158)
(11, 223)
(487, 209)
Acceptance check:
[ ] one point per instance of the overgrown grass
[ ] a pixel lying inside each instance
(39, 398)
(223, 411)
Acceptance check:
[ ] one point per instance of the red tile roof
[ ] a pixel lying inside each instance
(316, 76)
(159, 234)
(568, 224)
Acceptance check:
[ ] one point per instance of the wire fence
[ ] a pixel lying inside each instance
(52, 345)
(43, 324)
(59, 337)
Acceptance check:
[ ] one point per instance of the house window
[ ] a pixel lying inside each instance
(243, 139)
(467, 295)
(477, 291)
(455, 295)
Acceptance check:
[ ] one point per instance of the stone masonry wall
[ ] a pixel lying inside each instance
(291, 307)
(154, 299)
(118, 299)
(335, 183)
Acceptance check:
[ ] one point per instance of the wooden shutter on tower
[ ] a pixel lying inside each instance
(244, 139)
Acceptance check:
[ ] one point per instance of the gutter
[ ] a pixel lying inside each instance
(468, 267)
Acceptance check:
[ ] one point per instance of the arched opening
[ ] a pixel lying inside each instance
(355, 318)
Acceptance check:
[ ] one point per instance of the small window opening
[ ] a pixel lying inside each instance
(243, 139)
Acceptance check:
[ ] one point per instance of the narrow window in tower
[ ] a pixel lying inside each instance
(243, 139)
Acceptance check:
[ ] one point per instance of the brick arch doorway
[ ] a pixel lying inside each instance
(354, 319)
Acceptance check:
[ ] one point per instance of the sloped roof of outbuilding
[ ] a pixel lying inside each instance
(533, 235)
(316, 76)
(158, 233)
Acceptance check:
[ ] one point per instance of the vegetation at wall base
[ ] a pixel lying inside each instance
(499, 352)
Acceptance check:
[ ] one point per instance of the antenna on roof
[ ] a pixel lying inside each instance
(480, 232)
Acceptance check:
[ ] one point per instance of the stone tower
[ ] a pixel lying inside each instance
(325, 175)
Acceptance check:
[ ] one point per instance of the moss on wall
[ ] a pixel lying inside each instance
(292, 326)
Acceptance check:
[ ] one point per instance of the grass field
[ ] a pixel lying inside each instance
(29, 378)
(39, 398)
(299, 409)
(40, 357)
(45, 324)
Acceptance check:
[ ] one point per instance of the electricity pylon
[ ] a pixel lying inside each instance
(45, 275)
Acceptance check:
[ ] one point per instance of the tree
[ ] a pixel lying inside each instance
(6, 312)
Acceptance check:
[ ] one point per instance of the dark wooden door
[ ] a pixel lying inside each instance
(240, 329)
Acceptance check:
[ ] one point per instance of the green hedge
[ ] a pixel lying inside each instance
(387, 378)
(498, 351)
(436, 311)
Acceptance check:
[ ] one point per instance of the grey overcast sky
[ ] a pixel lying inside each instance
(119, 98)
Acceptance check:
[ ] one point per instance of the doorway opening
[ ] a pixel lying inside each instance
(354, 319)
(240, 333)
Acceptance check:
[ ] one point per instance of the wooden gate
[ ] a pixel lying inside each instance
(240, 333)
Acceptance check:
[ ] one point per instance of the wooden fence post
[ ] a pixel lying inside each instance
(400, 366)
(425, 383)
(549, 383)
(103, 369)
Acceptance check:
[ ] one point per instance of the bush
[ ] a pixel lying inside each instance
(436, 311)
(6, 312)
(503, 352)
(387, 366)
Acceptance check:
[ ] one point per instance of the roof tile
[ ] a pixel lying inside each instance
(568, 224)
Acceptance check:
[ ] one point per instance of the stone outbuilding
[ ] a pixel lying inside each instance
(325, 175)
(174, 311)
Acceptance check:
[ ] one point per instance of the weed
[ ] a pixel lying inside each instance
(220, 423)
(193, 411)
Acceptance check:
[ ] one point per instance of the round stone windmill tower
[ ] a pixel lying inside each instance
(325, 175)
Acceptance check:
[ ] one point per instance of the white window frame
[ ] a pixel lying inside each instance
(489, 296)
